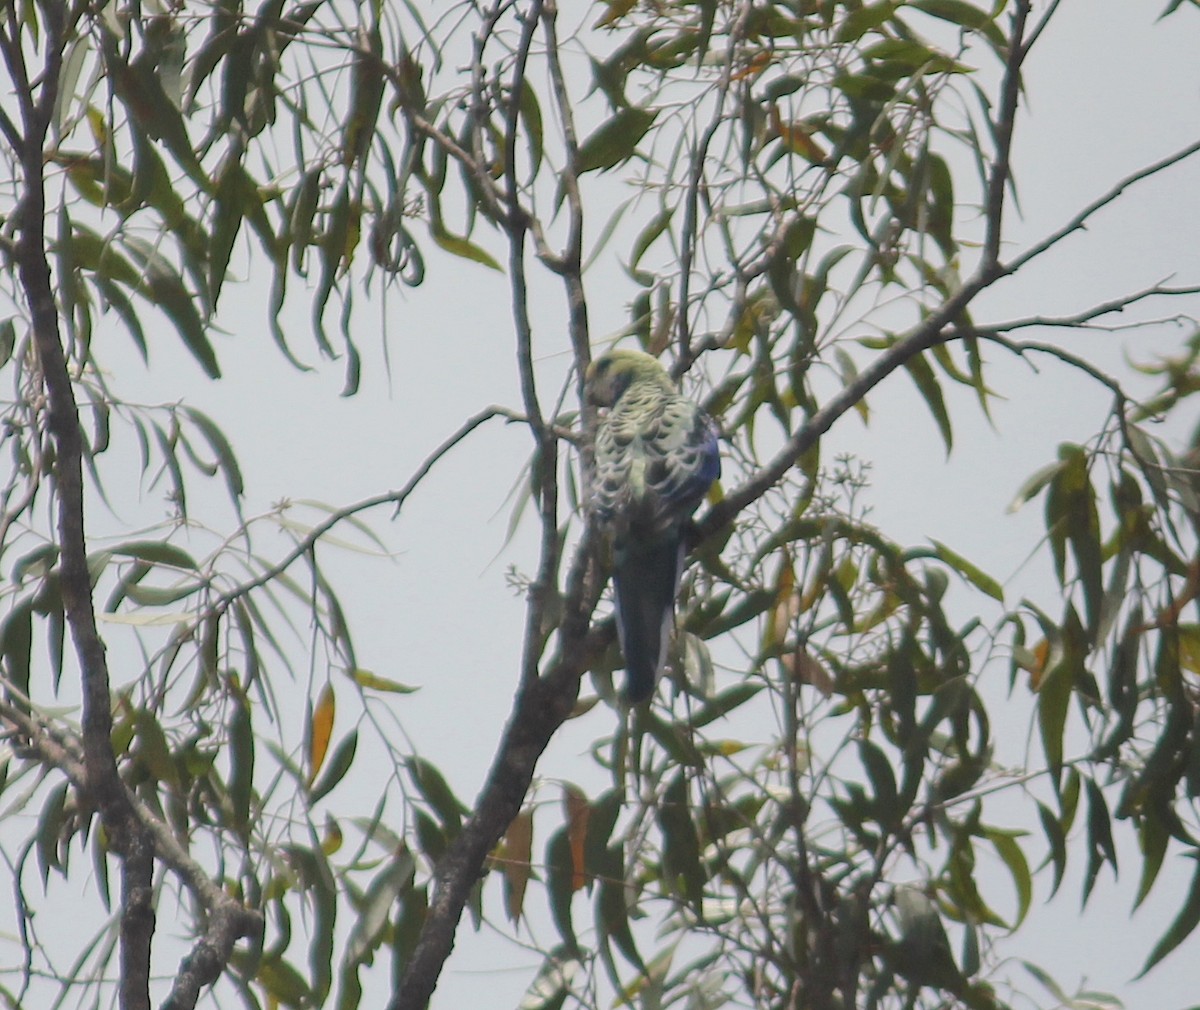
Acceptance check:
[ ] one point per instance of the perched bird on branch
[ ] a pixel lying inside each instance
(655, 458)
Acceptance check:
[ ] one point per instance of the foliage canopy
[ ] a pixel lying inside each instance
(798, 201)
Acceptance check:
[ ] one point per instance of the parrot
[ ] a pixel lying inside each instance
(655, 455)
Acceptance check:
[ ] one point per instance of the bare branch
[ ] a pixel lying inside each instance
(685, 354)
(51, 745)
(1096, 311)
(397, 498)
(545, 471)
(1001, 169)
(541, 707)
(1080, 220)
(570, 264)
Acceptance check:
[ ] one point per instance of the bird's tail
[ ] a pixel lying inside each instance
(645, 579)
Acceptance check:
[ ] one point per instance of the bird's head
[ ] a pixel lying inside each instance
(611, 374)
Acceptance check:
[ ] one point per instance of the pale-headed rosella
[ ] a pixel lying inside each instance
(655, 457)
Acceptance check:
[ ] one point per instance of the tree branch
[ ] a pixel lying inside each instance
(134, 836)
(228, 919)
(397, 498)
(544, 473)
(570, 263)
(1080, 220)
(541, 707)
(918, 339)
(104, 788)
(685, 353)
(1105, 308)
(1001, 168)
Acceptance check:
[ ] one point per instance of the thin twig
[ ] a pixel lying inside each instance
(397, 498)
(544, 475)
(685, 354)
(1105, 308)
(570, 263)
(1080, 220)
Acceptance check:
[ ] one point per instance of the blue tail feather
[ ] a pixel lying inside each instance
(646, 578)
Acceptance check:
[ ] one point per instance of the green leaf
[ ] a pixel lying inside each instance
(931, 392)
(226, 222)
(673, 739)
(366, 95)
(976, 577)
(219, 444)
(437, 793)
(681, 845)
(375, 906)
(430, 837)
(1054, 693)
(1153, 837)
(615, 140)
(302, 232)
(612, 920)
(100, 257)
(1101, 848)
(164, 287)
(241, 765)
(883, 783)
(560, 873)
(153, 749)
(49, 827)
(339, 765)
(598, 854)
(464, 248)
(1057, 840)
(531, 117)
(16, 645)
(1007, 848)
(157, 552)
(414, 905)
(1075, 512)
(1185, 922)
(552, 984)
(156, 596)
(964, 15)
(1033, 485)
(648, 235)
(865, 19)
(8, 341)
(1053, 987)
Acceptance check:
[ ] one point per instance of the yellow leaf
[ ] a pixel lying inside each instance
(805, 668)
(753, 66)
(332, 841)
(319, 731)
(365, 678)
(578, 812)
(785, 602)
(98, 123)
(797, 137)
(1041, 655)
(518, 848)
(617, 9)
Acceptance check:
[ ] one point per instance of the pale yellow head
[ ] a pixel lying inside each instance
(613, 373)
